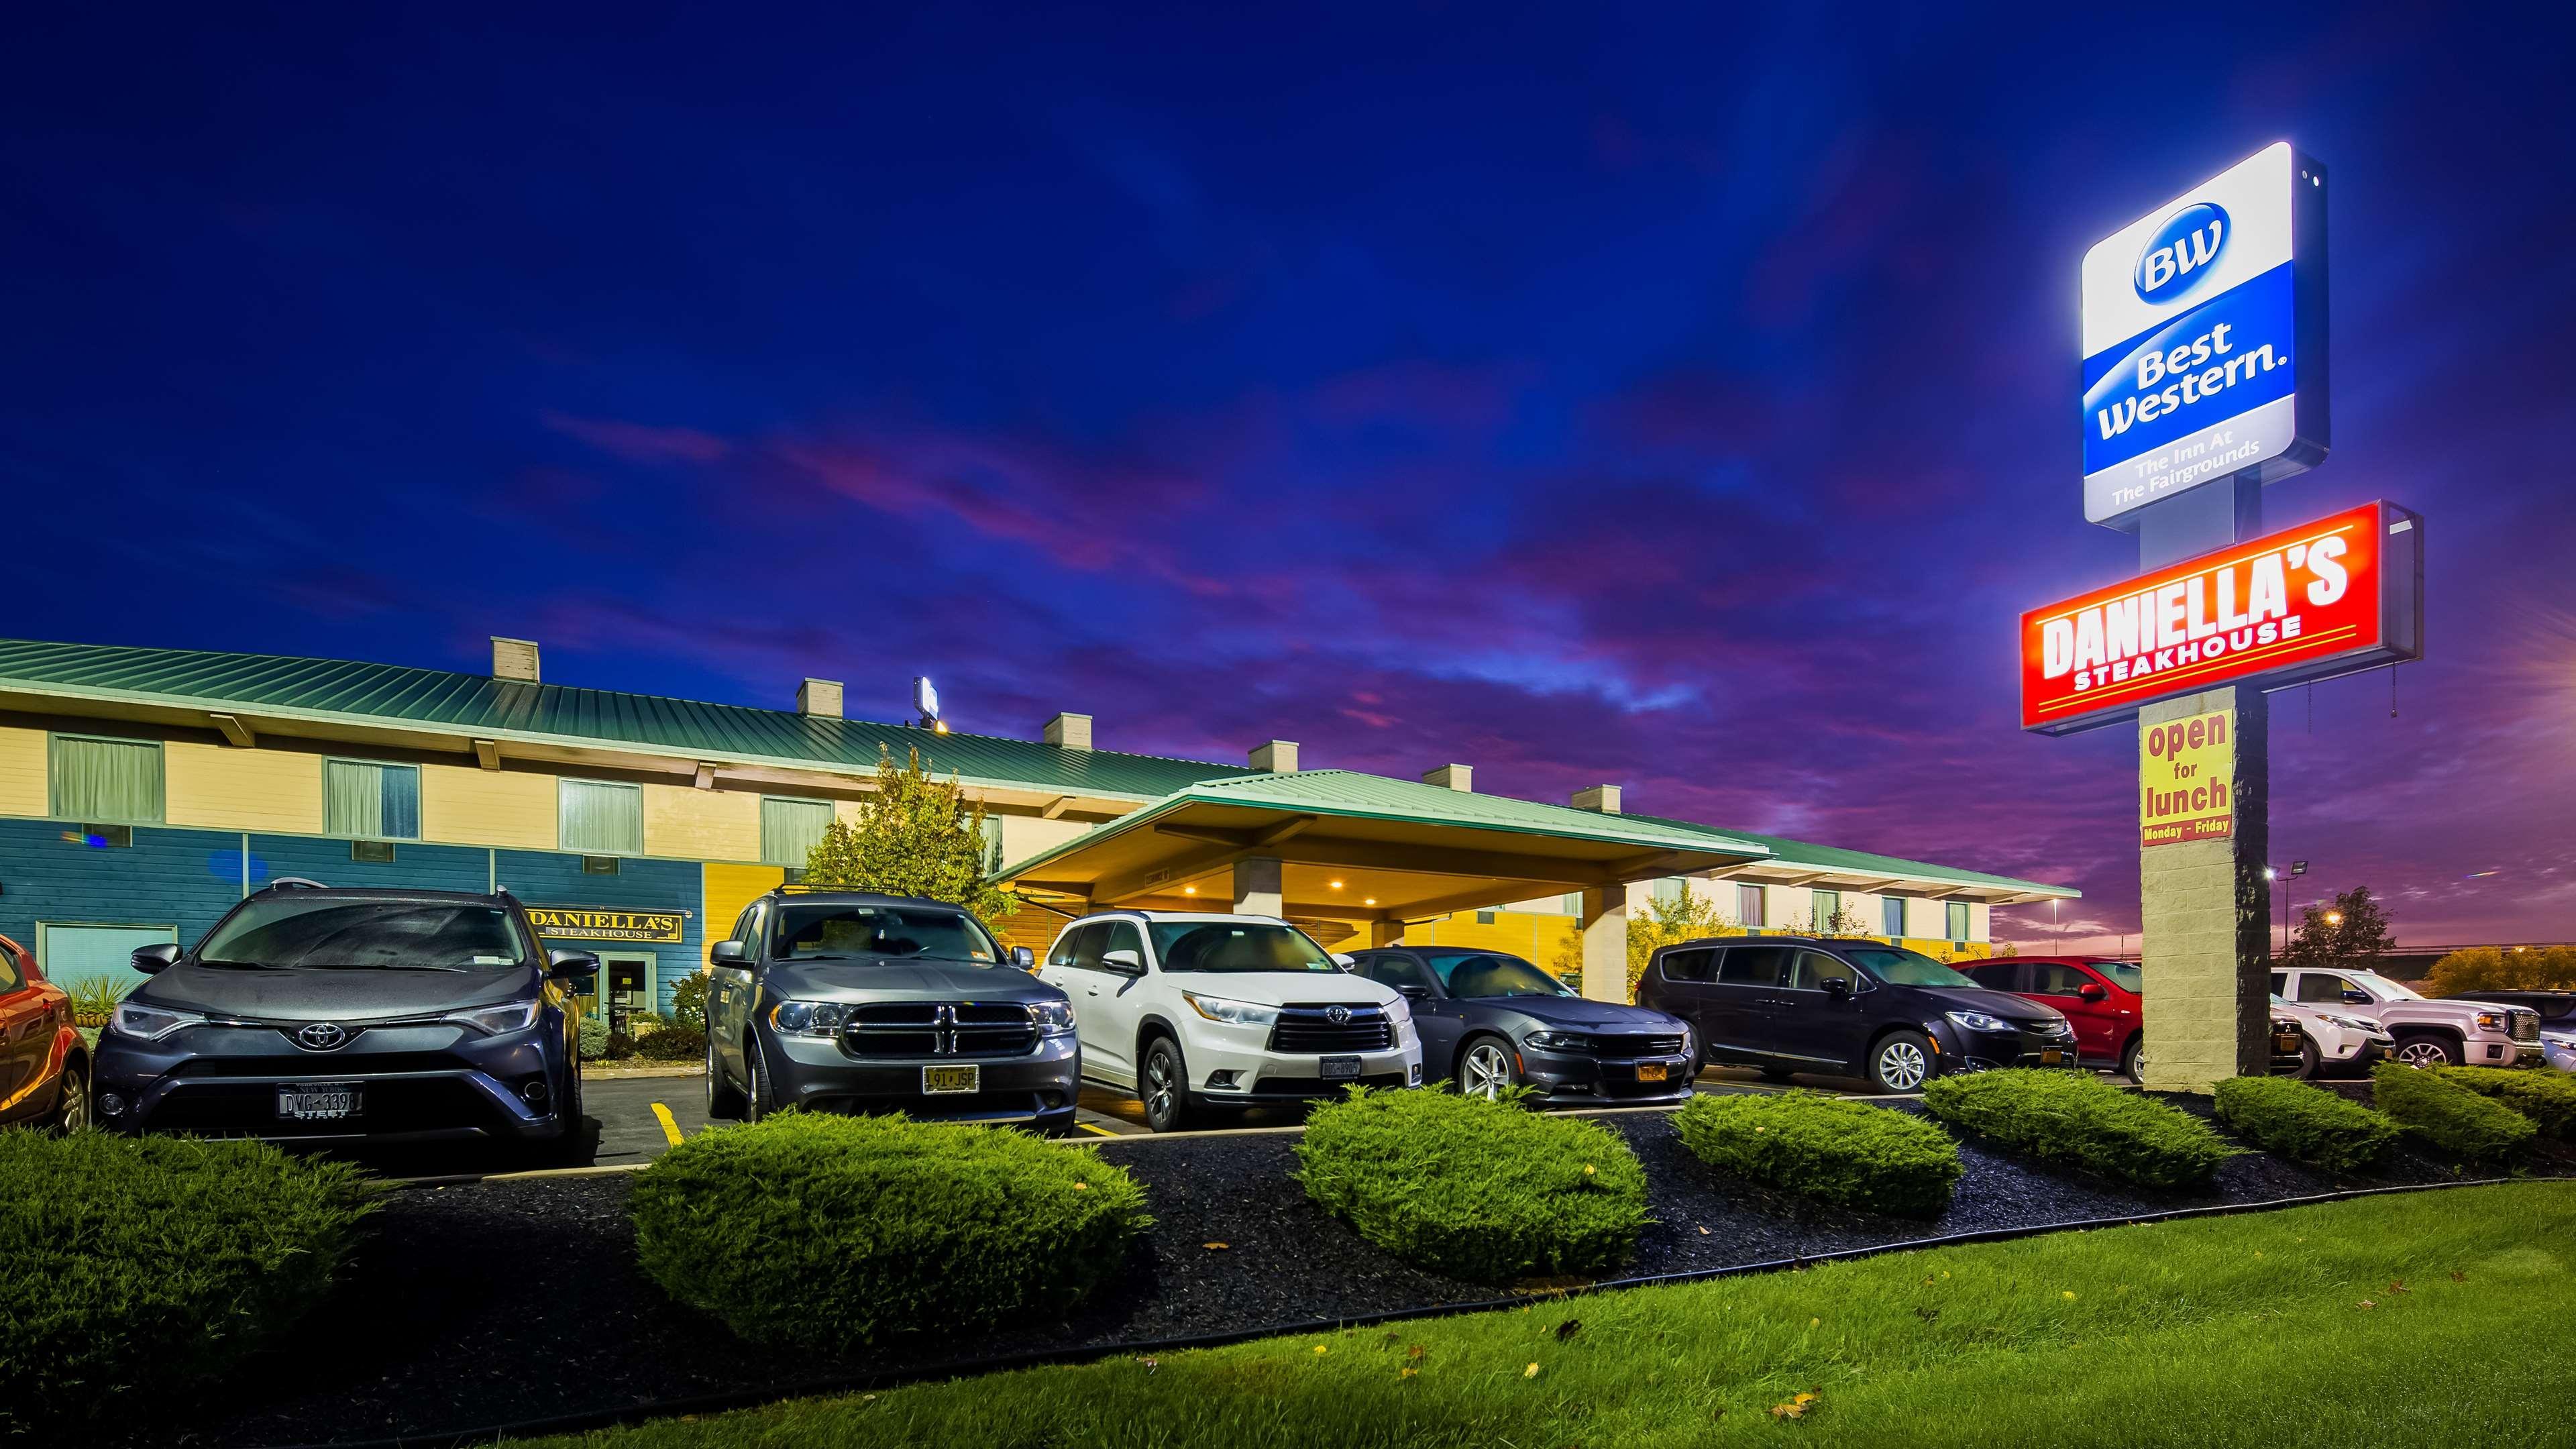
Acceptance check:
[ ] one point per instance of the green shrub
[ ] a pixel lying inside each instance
(2448, 1114)
(810, 1229)
(620, 1046)
(1828, 1148)
(2548, 1098)
(673, 1044)
(132, 1268)
(2081, 1121)
(594, 1039)
(689, 1001)
(95, 1000)
(2304, 1123)
(1482, 1190)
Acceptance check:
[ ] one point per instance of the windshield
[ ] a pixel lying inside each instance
(290, 932)
(1236, 946)
(1482, 975)
(1899, 967)
(817, 931)
(2122, 974)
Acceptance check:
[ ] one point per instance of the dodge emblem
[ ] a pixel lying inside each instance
(321, 1036)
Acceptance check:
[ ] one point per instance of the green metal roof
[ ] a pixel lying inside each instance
(1378, 797)
(1860, 862)
(329, 690)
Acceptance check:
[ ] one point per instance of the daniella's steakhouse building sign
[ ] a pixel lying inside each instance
(2341, 594)
(584, 923)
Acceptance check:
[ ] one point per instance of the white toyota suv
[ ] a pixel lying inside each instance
(1195, 1011)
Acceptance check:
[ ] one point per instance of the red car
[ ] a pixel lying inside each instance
(44, 1065)
(2099, 996)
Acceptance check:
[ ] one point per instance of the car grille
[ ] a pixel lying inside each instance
(2526, 1026)
(1633, 1045)
(396, 1104)
(940, 1029)
(1304, 1029)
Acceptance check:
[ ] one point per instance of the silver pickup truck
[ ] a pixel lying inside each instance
(2429, 1033)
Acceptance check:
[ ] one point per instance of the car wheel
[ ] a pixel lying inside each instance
(1485, 1069)
(2133, 1057)
(724, 1102)
(1901, 1063)
(564, 1148)
(755, 1098)
(71, 1101)
(1165, 1086)
(2427, 1051)
(2310, 1060)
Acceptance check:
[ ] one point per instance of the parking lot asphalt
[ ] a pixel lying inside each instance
(633, 1120)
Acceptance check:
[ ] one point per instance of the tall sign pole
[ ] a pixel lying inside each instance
(2204, 379)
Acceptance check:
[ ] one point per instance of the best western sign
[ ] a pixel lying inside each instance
(586, 924)
(2341, 594)
(2205, 337)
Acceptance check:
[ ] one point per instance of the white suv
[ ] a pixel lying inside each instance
(2334, 1041)
(1194, 1011)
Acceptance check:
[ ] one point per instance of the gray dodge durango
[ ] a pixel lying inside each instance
(850, 1002)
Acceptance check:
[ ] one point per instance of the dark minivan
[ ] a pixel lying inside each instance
(1846, 1008)
(353, 1016)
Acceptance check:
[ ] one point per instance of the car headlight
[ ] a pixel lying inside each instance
(1977, 1021)
(1399, 1011)
(150, 1023)
(1053, 1018)
(514, 1016)
(808, 1018)
(1232, 1013)
(2494, 1021)
(1558, 1041)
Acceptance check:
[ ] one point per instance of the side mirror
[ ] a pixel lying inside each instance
(571, 964)
(1024, 958)
(2092, 991)
(2351, 997)
(727, 953)
(1838, 987)
(1344, 961)
(151, 959)
(1414, 993)
(1124, 962)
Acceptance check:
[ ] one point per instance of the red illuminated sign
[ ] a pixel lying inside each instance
(2330, 597)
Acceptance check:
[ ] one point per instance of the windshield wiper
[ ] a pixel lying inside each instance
(242, 965)
(378, 966)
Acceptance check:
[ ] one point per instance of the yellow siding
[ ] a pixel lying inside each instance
(470, 806)
(223, 788)
(1534, 936)
(22, 773)
(684, 822)
(729, 888)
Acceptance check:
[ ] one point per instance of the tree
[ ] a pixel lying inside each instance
(2350, 930)
(2495, 968)
(1840, 923)
(1687, 917)
(915, 836)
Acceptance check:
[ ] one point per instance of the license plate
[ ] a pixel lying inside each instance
(1650, 1071)
(2050, 1056)
(936, 1081)
(2286, 1045)
(1341, 1068)
(317, 1101)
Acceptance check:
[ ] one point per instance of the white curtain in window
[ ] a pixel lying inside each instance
(116, 781)
(372, 802)
(789, 829)
(602, 819)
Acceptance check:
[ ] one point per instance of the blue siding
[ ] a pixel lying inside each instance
(431, 867)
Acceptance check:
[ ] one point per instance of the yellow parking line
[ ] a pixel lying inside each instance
(1095, 1127)
(670, 1125)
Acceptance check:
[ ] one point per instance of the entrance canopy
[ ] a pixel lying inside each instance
(1361, 849)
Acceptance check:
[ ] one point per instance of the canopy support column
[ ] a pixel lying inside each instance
(1257, 889)
(1603, 929)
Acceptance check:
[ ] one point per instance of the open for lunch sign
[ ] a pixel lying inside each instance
(2187, 779)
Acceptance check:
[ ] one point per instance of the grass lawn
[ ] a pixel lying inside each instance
(2426, 1318)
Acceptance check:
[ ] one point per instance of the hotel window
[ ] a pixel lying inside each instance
(370, 802)
(1892, 912)
(1823, 907)
(598, 818)
(1958, 922)
(1670, 890)
(790, 828)
(1748, 908)
(113, 781)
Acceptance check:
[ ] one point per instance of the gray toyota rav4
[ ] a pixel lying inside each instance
(844, 1001)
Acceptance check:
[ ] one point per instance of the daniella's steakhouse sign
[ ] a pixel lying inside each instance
(2326, 598)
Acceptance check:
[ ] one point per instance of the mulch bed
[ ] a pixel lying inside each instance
(512, 1301)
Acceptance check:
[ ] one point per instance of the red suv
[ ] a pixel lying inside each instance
(2099, 996)
(44, 1067)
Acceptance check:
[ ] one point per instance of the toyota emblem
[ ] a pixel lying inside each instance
(321, 1036)
(1338, 1015)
